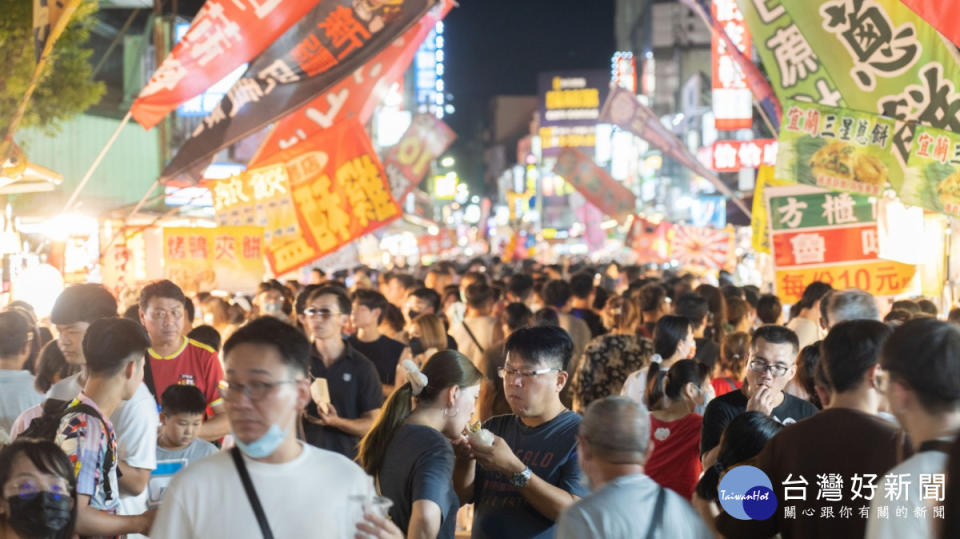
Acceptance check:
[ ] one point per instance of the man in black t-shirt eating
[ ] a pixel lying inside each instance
(773, 353)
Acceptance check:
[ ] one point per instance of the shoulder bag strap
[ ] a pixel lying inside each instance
(472, 337)
(251, 493)
(148, 377)
(656, 518)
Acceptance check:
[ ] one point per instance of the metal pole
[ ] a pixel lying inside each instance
(116, 39)
(96, 162)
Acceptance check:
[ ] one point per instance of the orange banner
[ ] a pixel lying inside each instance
(222, 258)
(881, 278)
(339, 192)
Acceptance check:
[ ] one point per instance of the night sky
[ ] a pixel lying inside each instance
(497, 47)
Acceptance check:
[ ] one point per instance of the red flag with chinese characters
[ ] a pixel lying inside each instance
(339, 191)
(223, 35)
(357, 95)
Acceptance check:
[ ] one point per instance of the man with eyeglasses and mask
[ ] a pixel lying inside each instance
(175, 359)
(522, 482)
(352, 380)
(265, 389)
(773, 354)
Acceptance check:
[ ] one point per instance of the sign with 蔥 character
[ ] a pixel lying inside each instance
(339, 192)
(819, 235)
(221, 258)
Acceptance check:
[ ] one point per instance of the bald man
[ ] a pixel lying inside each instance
(613, 444)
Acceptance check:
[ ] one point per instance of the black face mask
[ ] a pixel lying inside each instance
(413, 314)
(39, 515)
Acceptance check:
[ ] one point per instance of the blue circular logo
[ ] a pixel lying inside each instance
(746, 493)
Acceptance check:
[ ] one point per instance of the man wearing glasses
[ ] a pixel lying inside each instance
(175, 359)
(265, 389)
(529, 475)
(772, 365)
(352, 379)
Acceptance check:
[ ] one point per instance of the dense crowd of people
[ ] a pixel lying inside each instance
(489, 400)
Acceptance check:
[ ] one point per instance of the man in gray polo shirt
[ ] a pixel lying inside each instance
(613, 442)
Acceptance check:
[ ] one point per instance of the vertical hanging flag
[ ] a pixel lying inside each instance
(223, 35)
(732, 102)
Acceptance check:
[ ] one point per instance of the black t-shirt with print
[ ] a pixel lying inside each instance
(721, 410)
(383, 352)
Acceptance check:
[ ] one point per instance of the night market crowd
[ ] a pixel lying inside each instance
(488, 400)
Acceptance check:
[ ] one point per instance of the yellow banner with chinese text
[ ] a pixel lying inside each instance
(221, 258)
(880, 278)
(759, 222)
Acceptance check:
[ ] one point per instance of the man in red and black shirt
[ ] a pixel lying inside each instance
(175, 359)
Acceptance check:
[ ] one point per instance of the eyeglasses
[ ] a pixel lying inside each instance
(525, 375)
(254, 390)
(325, 314)
(761, 367)
(160, 314)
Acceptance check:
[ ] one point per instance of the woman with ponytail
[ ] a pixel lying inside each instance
(717, 321)
(805, 314)
(609, 359)
(675, 426)
(742, 440)
(672, 341)
(408, 450)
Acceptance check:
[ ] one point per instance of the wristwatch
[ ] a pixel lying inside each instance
(521, 478)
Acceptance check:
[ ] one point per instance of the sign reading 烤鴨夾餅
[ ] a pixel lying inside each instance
(818, 235)
(932, 179)
(221, 258)
(570, 103)
(836, 149)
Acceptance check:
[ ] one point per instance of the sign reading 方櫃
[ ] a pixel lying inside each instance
(827, 236)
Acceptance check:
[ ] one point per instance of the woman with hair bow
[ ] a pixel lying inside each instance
(408, 450)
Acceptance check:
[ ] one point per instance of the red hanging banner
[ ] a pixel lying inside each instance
(354, 96)
(223, 35)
